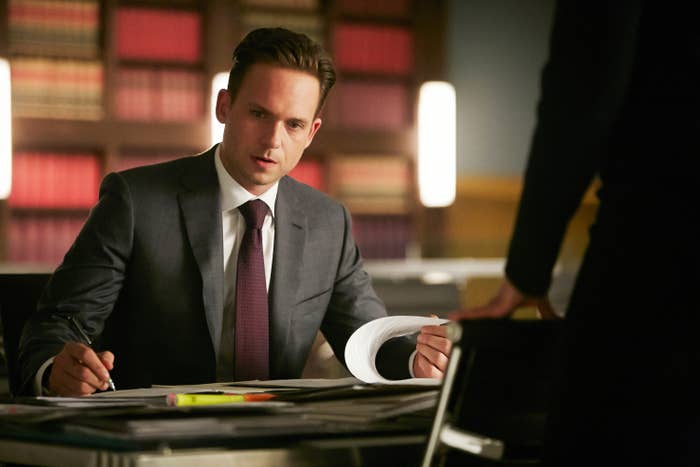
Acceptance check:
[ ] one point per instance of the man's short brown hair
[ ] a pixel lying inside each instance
(288, 49)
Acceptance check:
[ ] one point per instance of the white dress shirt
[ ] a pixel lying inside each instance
(234, 195)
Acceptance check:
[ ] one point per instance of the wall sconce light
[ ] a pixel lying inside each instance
(437, 153)
(219, 82)
(5, 130)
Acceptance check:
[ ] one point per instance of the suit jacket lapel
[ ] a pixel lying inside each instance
(290, 235)
(201, 211)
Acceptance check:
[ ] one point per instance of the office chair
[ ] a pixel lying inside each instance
(496, 393)
(19, 294)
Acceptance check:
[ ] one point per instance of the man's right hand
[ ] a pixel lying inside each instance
(77, 370)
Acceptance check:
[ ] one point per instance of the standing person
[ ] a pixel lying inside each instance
(152, 276)
(620, 100)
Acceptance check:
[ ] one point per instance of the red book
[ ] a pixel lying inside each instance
(135, 95)
(180, 96)
(43, 239)
(158, 34)
(382, 237)
(385, 8)
(310, 173)
(129, 161)
(369, 105)
(370, 48)
(49, 180)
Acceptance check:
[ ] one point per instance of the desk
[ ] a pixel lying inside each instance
(316, 433)
(352, 452)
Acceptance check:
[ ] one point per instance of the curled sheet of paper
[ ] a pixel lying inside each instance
(362, 347)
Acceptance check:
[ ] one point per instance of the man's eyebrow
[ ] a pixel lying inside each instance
(299, 120)
(257, 106)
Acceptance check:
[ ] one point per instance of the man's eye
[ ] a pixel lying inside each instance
(257, 113)
(295, 125)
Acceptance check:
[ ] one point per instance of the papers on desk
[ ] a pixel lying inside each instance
(362, 347)
(371, 409)
(158, 396)
(92, 401)
(305, 383)
(195, 428)
(338, 407)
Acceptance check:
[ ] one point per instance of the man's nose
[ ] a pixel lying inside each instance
(272, 135)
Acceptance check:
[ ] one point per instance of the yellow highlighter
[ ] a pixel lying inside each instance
(184, 400)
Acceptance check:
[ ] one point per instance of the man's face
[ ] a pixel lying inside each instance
(268, 125)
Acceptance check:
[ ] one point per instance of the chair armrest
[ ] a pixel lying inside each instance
(481, 446)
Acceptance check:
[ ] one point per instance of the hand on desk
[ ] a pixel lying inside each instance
(77, 370)
(433, 350)
(504, 303)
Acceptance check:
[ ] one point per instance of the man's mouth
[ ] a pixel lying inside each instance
(264, 161)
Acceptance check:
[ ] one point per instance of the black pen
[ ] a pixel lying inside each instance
(87, 341)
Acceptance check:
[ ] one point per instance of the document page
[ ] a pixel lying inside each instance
(362, 347)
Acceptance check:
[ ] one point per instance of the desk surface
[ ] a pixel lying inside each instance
(309, 434)
(355, 451)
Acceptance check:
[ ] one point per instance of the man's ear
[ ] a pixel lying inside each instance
(223, 105)
(315, 125)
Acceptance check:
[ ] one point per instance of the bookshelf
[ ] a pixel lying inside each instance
(373, 47)
(113, 84)
(94, 90)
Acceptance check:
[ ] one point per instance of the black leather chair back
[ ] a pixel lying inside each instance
(19, 294)
(497, 393)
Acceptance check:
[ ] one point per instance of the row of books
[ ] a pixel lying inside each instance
(284, 4)
(373, 48)
(43, 180)
(46, 239)
(372, 184)
(42, 239)
(58, 28)
(311, 173)
(54, 88)
(54, 180)
(159, 95)
(131, 159)
(384, 8)
(311, 24)
(369, 105)
(158, 34)
(382, 237)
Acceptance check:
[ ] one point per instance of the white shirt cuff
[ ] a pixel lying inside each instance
(410, 363)
(38, 388)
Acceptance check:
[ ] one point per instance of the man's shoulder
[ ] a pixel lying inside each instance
(177, 165)
(198, 168)
(308, 195)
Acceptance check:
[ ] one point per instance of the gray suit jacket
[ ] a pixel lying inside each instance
(145, 274)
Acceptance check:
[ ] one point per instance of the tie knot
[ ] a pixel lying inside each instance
(254, 213)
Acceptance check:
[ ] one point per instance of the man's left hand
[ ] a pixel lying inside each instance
(433, 350)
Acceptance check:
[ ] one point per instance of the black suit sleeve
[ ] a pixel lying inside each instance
(591, 53)
(87, 283)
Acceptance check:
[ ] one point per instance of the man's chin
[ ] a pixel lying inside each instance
(261, 183)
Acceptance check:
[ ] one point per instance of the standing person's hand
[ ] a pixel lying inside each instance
(504, 303)
(77, 370)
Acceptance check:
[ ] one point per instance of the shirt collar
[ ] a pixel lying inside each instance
(233, 194)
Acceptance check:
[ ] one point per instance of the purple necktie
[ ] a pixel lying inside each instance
(252, 329)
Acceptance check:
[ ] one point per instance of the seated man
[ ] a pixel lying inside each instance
(155, 277)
